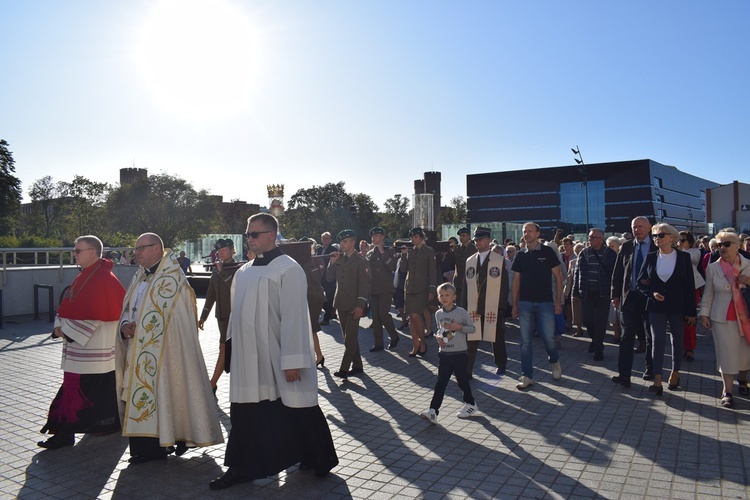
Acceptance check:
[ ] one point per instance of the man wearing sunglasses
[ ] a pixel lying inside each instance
(273, 384)
(165, 391)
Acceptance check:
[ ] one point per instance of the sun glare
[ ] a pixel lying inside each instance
(198, 57)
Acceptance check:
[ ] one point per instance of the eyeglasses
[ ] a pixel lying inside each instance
(140, 248)
(660, 235)
(254, 234)
(79, 250)
(594, 237)
(725, 244)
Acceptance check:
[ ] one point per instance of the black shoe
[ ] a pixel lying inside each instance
(744, 390)
(180, 448)
(404, 326)
(394, 342)
(322, 362)
(231, 477)
(648, 376)
(422, 353)
(376, 348)
(142, 459)
(658, 389)
(591, 347)
(58, 441)
(341, 374)
(500, 372)
(598, 356)
(674, 387)
(625, 382)
(356, 371)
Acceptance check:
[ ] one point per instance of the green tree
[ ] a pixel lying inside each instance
(162, 204)
(47, 208)
(396, 219)
(328, 208)
(85, 212)
(455, 213)
(10, 192)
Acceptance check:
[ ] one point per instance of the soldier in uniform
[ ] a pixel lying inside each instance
(349, 271)
(382, 265)
(421, 282)
(463, 251)
(219, 292)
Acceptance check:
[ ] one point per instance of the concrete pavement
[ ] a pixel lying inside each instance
(579, 437)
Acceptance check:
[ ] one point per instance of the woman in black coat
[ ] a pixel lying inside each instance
(667, 281)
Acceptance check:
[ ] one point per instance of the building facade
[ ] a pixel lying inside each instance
(728, 206)
(603, 195)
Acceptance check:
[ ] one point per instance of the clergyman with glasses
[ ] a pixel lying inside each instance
(167, 402)
(86, 322)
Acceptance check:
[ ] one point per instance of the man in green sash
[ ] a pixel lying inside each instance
(486, 294)
(162, 379)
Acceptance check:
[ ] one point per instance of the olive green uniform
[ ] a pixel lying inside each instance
(352, 286)
(381, 266)
(421, 278)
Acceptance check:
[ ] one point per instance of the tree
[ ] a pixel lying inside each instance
(10, 192)
(328, 208)
(46, 208)
(85, 212)
(396, 220)
(455, 213)
(162, 204)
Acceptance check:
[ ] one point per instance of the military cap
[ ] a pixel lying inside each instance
(346, 233)
(223, 243)
(416, 230)
(377, 230)
(464, 230)
(481, 232)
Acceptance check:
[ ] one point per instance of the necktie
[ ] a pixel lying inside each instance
(638, 263)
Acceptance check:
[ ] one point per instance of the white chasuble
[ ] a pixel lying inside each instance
(164, 384)
(271, 332)
(494, 281)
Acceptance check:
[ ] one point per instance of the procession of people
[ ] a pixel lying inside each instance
(132, 360)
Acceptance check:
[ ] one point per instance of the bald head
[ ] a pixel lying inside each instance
(641, 228)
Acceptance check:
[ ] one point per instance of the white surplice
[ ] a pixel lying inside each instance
(270, 332)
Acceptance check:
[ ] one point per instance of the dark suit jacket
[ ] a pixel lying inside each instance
(678, 291)
(622, 276)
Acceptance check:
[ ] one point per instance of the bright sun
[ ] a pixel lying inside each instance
(199, 57)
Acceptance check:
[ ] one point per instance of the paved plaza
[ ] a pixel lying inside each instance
(579, 437)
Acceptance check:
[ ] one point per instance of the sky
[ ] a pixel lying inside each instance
(233, 95)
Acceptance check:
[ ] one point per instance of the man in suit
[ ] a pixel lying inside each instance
(631, 302)
(348, 269)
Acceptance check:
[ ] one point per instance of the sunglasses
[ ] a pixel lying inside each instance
(254, 234)
(140, 248)
(660, 235)
(79, 250)
(725, 244)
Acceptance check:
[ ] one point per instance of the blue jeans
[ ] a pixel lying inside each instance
(539, 316)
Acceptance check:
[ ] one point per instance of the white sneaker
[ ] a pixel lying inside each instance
(556, 371)
(430, 415)
(468, 411)
(524, 382)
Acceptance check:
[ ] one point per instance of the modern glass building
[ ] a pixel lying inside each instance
(603, 195)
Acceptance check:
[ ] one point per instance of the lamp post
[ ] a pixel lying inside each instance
(583, 172)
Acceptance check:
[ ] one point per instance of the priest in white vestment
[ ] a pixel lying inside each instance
(167, 402)
(273, 386)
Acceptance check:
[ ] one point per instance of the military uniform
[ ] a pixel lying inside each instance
(352, 286)
(421, 278)
(219, 290)
(382, 267)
